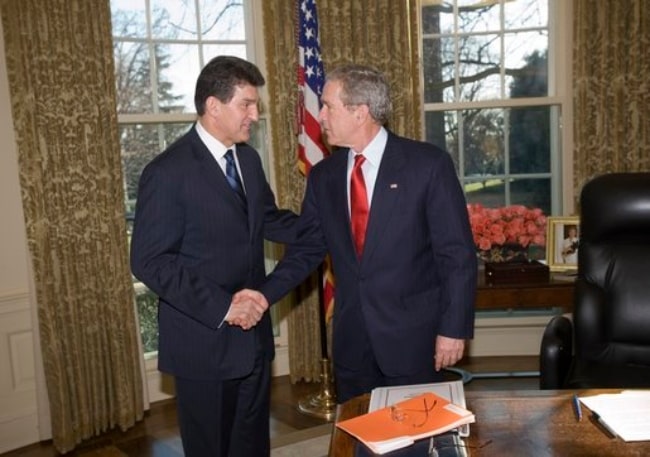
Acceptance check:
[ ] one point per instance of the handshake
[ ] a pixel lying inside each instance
(247, 308)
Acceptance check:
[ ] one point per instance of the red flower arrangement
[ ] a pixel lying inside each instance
(509, 225)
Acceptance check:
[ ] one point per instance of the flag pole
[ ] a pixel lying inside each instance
(310, 80)
(323, 403)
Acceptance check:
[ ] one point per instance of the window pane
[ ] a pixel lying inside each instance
(178, 68)
(525, 14)
(173, 19)
(128, 18)
(223, 20)
(140, 143)
(475, 16)
(213, 50)
(436, 123)
(475, 137)
(438, 19)
(480, 68)
(492, 192)
(439, 70)
(535, 193)
(483, 57)
(489, 192)
(488, 51)
(526, 63)
(495, 150)
(132, 77)
(530, 140)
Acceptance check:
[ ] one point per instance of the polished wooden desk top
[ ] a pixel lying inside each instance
(554, 292)
(517, 423)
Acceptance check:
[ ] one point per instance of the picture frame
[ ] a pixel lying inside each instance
(562, 241)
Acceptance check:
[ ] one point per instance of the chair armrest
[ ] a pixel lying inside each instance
(555, 353)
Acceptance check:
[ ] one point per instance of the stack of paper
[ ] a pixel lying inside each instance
(625, 414)
(398, 426)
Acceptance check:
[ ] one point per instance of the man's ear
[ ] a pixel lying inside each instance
(363, 112)
(212, 106)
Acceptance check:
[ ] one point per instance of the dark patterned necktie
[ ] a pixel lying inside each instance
(233, 177)
(358, 204)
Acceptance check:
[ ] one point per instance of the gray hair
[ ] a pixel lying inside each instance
(362, 85)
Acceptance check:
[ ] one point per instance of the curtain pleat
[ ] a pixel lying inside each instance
(381, 33)
(611, 88)
(61, 78)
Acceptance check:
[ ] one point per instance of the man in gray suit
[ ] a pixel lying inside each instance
(203, 211)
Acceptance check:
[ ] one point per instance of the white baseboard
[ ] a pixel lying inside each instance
(18, 429)
(281, 363)
(508, 335)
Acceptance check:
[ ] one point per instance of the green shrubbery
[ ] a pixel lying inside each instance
(147, 303)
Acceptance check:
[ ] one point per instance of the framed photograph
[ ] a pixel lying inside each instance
(562, 241)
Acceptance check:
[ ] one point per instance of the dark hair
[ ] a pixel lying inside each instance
(219, 78)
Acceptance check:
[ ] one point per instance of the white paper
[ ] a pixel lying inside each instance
(625, 414)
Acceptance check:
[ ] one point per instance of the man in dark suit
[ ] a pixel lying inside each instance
(404, 294)
(204, 208)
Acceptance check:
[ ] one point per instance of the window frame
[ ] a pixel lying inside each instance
(560, 96)
(255, 51)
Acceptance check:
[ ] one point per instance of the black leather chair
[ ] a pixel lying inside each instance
(607, 343)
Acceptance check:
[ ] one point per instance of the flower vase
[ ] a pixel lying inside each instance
(510, 252)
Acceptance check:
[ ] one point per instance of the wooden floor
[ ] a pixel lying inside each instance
(157, 435)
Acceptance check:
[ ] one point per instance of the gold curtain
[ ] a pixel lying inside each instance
(60, 68)
(381, 33)
(611, 88)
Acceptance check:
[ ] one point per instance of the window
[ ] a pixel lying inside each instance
(490, 72)
(159, 48)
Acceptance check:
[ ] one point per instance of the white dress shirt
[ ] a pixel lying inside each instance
(218, 150)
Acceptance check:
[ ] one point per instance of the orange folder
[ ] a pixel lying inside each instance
(400, 425)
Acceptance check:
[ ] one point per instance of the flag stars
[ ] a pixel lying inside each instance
(307, 12)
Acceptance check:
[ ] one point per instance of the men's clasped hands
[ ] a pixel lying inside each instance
(247, 308)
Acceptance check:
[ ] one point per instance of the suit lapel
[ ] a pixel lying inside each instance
(248, 166)
(336, 187)
(385, 196)
(213, 173)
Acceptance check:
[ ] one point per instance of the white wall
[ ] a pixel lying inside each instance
(18, 398)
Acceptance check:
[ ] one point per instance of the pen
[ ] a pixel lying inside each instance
(577, 407)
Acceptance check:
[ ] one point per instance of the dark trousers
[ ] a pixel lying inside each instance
(227, 418)
(351, 382)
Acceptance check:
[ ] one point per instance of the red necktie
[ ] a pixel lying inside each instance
(358, 204)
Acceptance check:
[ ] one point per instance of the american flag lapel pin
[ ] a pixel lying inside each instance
(393, 186)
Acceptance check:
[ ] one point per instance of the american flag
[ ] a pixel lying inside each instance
(310, 84)
(311, 149)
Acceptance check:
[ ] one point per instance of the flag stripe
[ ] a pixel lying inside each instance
(311, 148)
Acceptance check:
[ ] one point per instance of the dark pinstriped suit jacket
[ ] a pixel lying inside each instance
(417, 276)
(194, 245)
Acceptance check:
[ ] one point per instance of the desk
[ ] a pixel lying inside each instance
(554, 292)
(517, 423)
